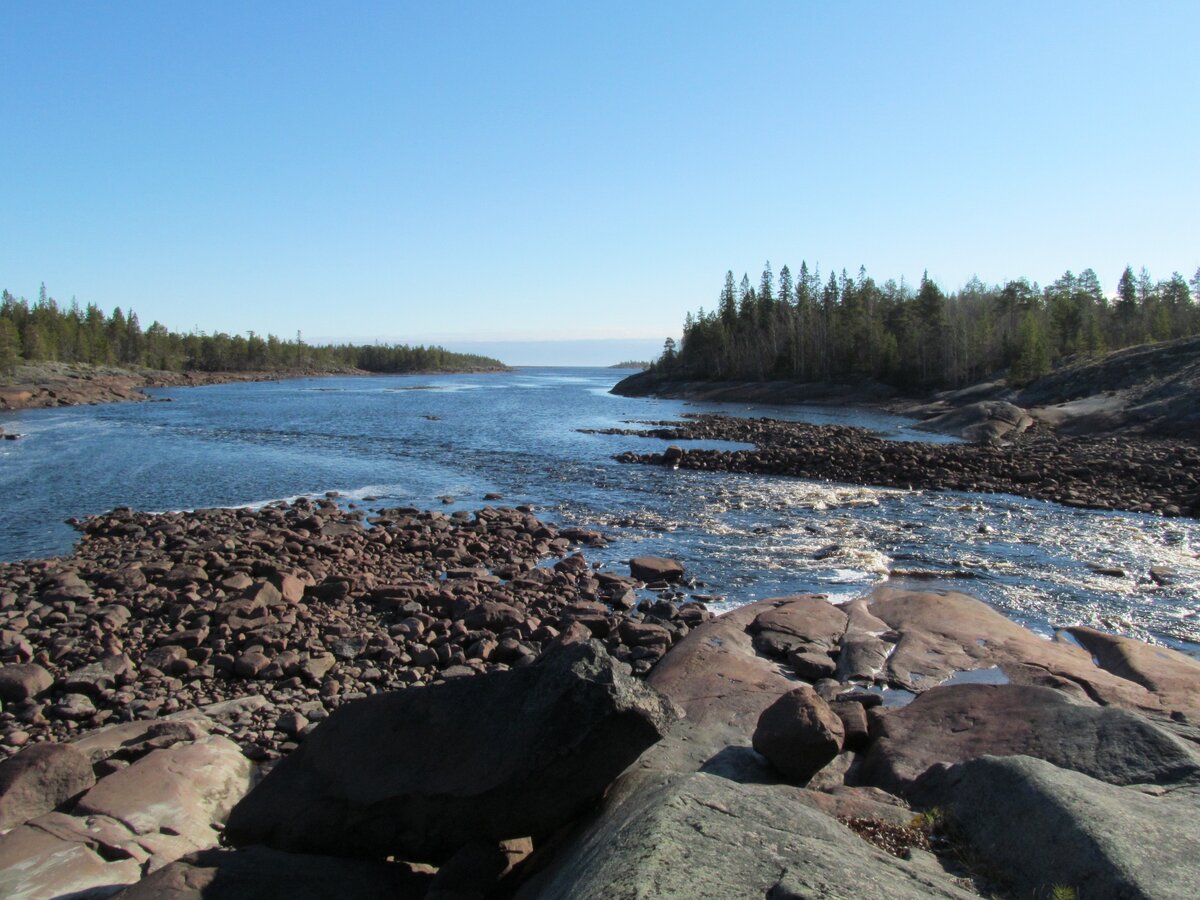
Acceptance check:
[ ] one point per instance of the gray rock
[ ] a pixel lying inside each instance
(981, 422)
(703, 836)
(39, 779)
(418, 774)
(73, 706)
(1042, 825)
(964, 721)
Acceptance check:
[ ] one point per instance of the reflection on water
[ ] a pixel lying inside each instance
(379, 441)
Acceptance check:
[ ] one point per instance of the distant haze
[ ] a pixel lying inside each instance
(586, 352)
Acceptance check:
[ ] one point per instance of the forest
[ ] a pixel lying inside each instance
(45, 331)
(805, 328)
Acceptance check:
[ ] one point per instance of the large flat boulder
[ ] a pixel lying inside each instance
(419, 773)
(703, 836)
(964, 721)
(1170, 675)
(939, 633)
(1041, 825)
(131, 740)
(805, 623)
(174, 799)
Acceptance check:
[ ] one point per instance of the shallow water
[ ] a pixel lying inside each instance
(413, 440)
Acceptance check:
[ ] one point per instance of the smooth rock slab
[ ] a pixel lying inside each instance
(1041, 826)
(419, 773)
(706, 837)
(957, 723)
(36, 865)
(172, 798)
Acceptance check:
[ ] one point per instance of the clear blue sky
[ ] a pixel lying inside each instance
(514, 171)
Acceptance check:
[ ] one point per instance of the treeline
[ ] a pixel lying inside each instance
(46, 331)
(846, 328)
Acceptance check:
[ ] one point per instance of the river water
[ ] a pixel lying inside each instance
(414, 440)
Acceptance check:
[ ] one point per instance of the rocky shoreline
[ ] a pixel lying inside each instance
(1142, 391)
(53, 385)
(295, 701)
(299, 608)
(1147, 475)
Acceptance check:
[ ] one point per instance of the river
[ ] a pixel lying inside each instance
(444, 441)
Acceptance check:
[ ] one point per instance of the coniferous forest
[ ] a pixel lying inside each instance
(45, 331)
(846, 328)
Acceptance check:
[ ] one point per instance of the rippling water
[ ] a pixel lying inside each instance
(416, 439)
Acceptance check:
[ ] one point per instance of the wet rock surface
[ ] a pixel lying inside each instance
(1160, 476)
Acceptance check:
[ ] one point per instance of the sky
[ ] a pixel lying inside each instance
(551, 176)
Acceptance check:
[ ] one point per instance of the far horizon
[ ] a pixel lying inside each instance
(570, 353)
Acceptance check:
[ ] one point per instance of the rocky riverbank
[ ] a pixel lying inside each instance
(1146, 391)
(905, 744)
(285, 612)
(48, 385)
(1148, 475)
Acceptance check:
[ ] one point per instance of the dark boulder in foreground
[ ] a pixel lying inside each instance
(799, 734)
(419, 773)
(267, 874)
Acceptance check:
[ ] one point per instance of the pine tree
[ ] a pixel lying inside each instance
(10, 346)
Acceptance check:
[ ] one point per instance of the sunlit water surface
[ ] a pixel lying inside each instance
(414, 440)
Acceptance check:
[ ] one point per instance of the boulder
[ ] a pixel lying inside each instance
(23, 681)
(132, 740)
(39, 779)
(964, 721)
(174, 799)
(266, 874)
(809, 617)
(419, 774)
(1173, 677)
(703, 836)
(95, 678)
(722, 685)
(799, 734)
(983, 422)
(655, 568)
(940, 633)
(1041, 825)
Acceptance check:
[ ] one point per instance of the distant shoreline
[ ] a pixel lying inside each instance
(53, 385)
